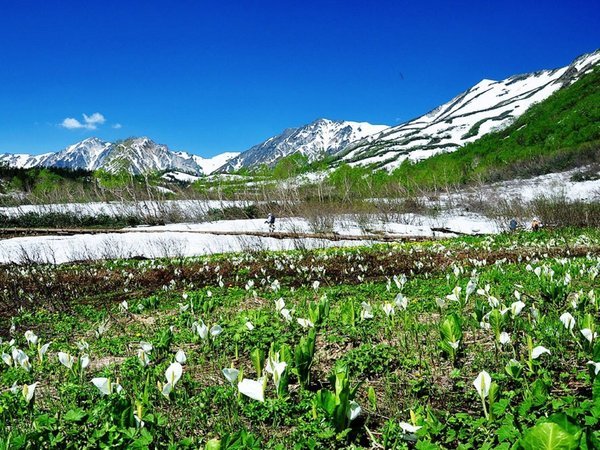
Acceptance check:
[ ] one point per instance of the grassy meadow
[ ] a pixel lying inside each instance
(475, 342)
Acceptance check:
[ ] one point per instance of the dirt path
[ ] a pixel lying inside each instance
(7, 233)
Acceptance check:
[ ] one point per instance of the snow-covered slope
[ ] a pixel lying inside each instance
(319, 138)
(209, 165)
(23, 161)
(487, 106)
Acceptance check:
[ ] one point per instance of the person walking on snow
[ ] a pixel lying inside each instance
(271, 221)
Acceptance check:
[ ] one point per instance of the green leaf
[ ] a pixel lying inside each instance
(426, 445)
(539, 392)
(258, 360)
(372, 397)
(596, 390)
(326, 400)
(562, 420)
(213, 444)
(75, 415)
(499, 407)
(549, 436)
(507, 432)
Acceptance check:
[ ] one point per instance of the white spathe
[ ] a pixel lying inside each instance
(173, 373)
(568, 321)
(482, 383)
(28, 391)
(539, 351)
(231, 374)
(253, 389)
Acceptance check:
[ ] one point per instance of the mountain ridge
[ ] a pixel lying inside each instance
(319, 138)
(137, 155)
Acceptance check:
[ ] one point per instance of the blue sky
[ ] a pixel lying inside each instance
(208, 76)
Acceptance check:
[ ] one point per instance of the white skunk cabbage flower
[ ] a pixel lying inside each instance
(31, 337)
(455, 296)
(231, 374)
(146, 346)
(200, 329)
(254, 389)
(287, 314)
(504, 338)
(84, 361)
(305, 323)
(143, 357)
(595, 365)
(29, 390)
(482, 384)
(516, 308)
(353, 411)
(66, 359)
(7, 359)
(539, 351)
(180, 357)
(279, 304)
(172, 374)
(105, 386)
(366, 311)
(42, 350)
(589, 334)
(402, 302)
(568, 321)
(20, 357)
(388, 309)
(408, 428)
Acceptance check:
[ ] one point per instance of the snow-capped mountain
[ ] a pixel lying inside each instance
(209, 165)
(487, 106)
(88, 154)
(142, 155)
(319, 138)
(137, 155)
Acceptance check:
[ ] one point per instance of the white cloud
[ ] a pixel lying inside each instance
(94, 119)
(117, 126)
(89, 122)
(71, 124)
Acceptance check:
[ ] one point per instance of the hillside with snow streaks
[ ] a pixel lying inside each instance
(315, 140)
(487, 106)
(22, 160)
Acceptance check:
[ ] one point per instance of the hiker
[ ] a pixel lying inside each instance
(271, 221)
(513, 225)
(535, 224)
